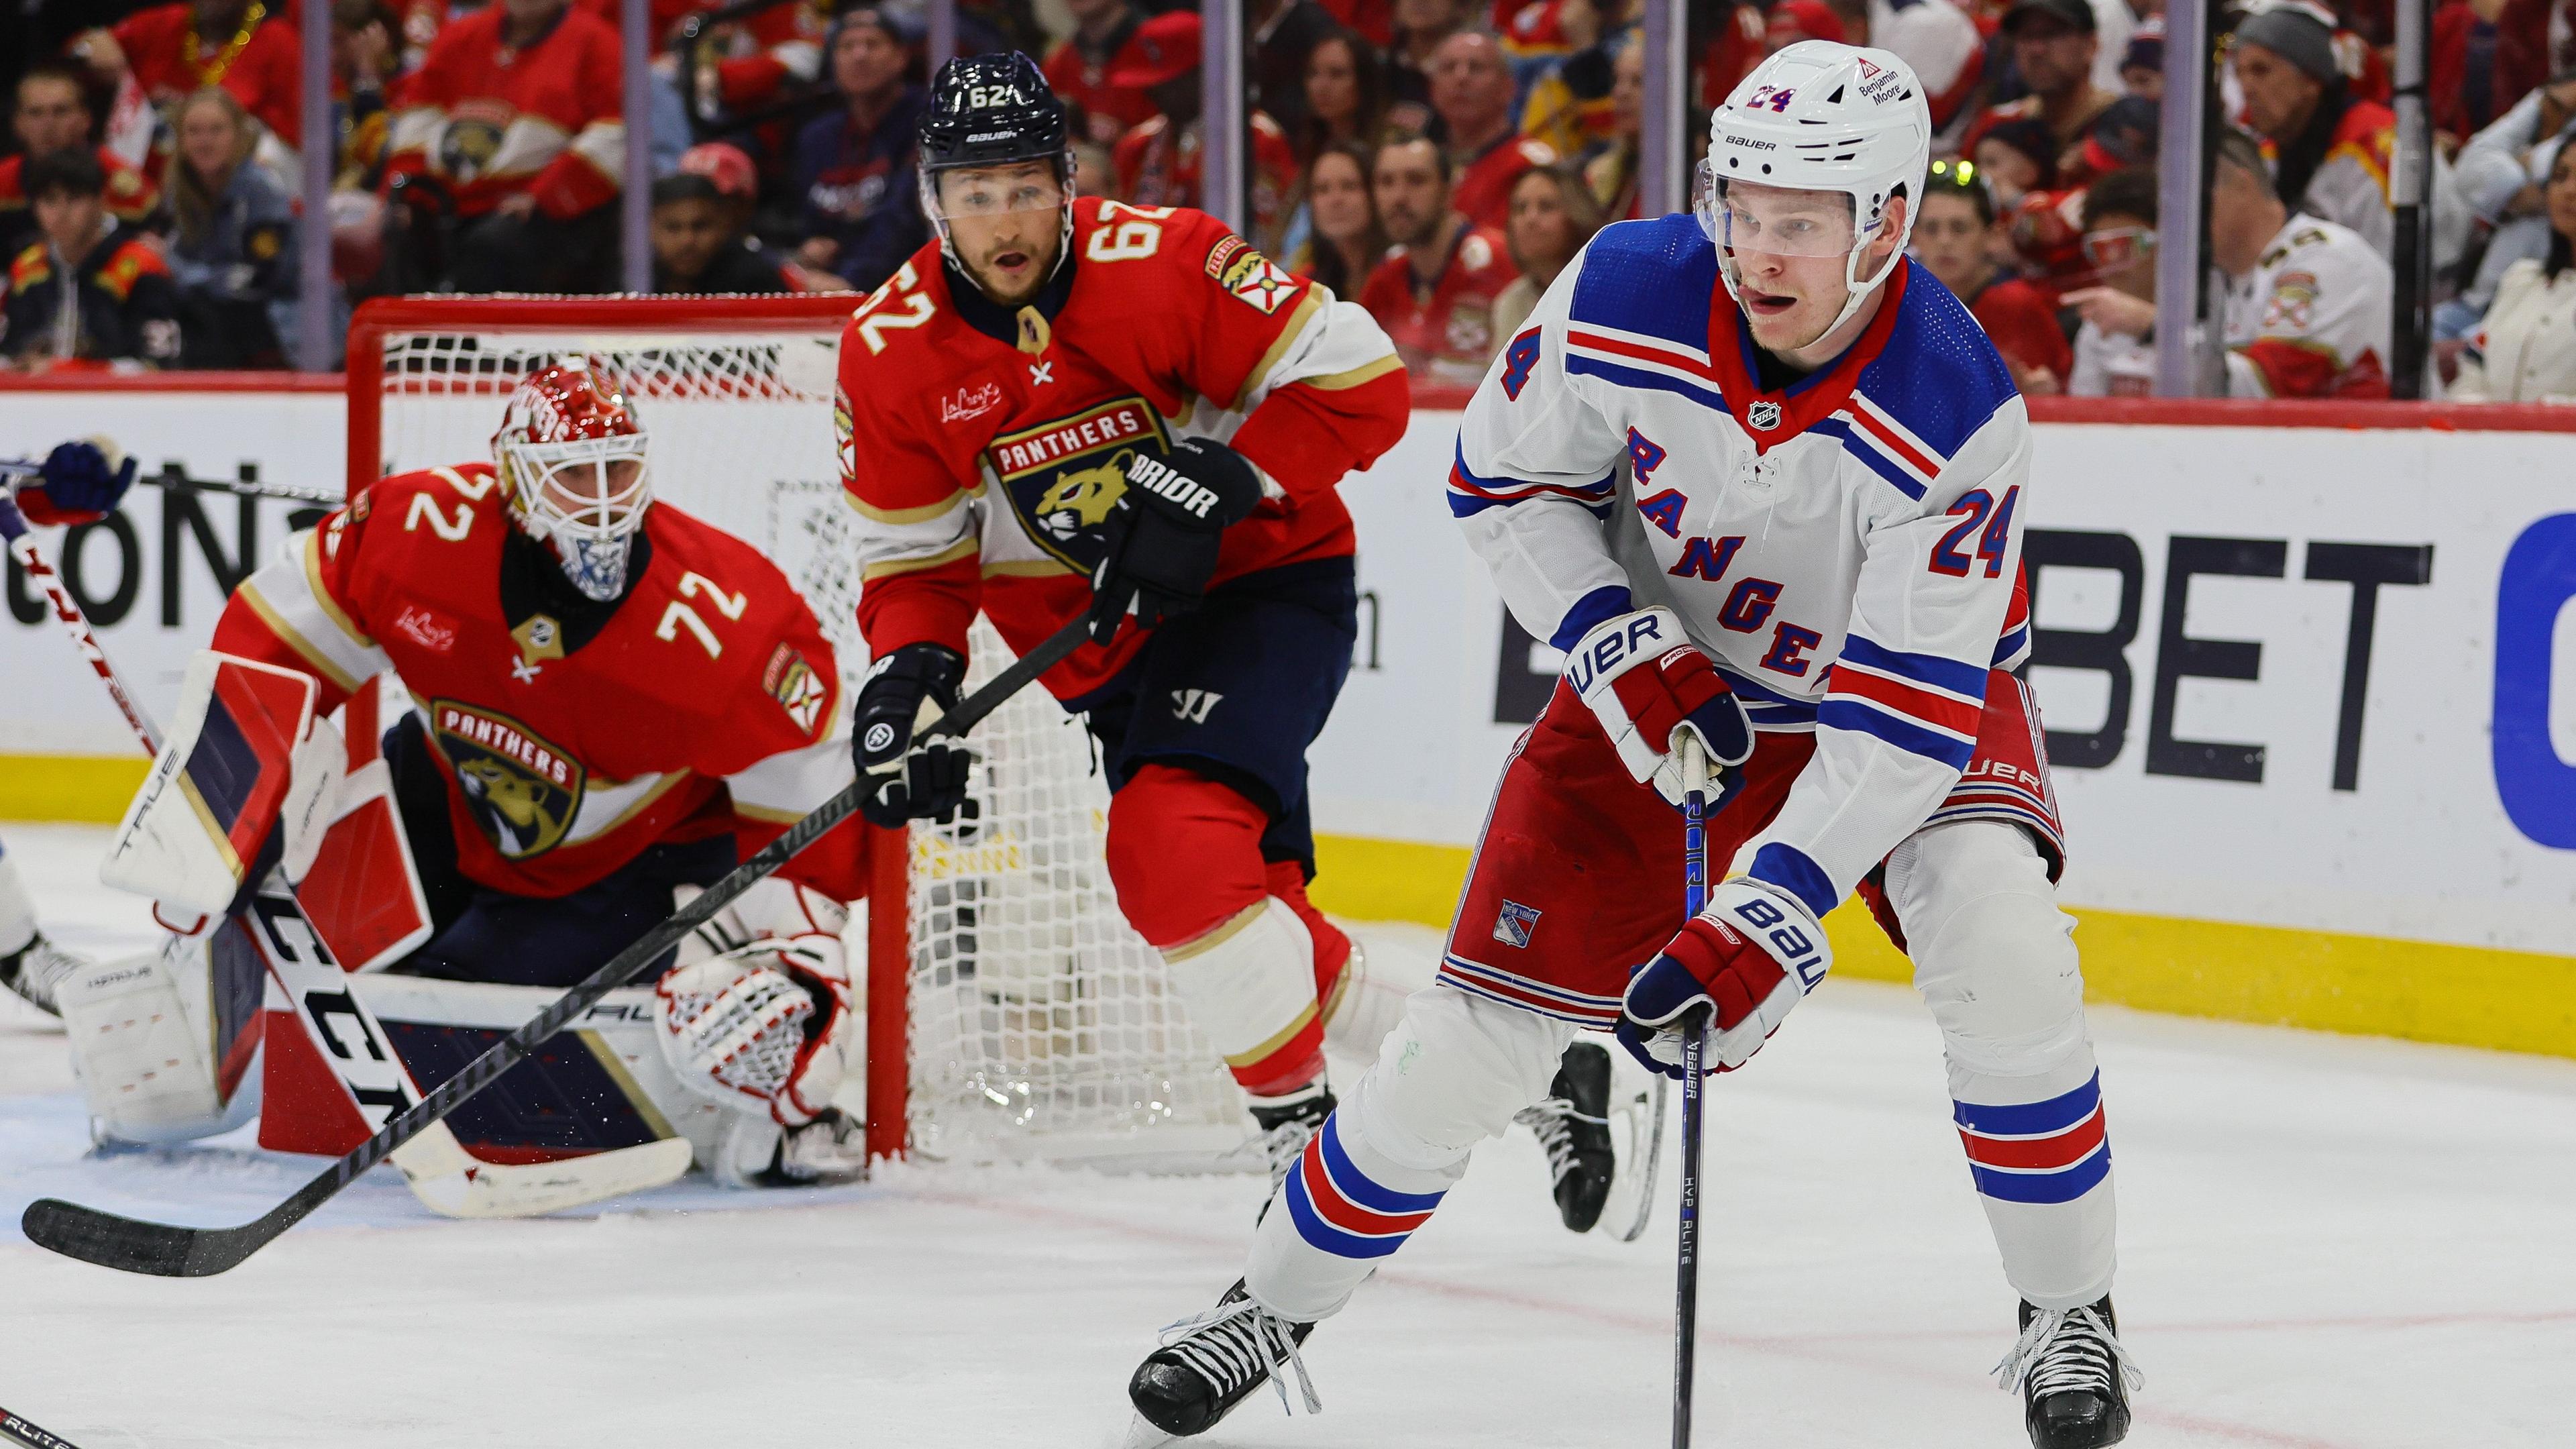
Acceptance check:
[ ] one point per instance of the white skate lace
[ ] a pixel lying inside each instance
(1233, 1341)
(42, 967)
(2063, 1350)
(1547, 1120)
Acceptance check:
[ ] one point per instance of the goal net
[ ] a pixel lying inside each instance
(1030, 1020)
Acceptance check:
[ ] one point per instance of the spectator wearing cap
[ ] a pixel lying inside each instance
(2125, 134)
(2142, 61)
(2054, 43)
(2526, 351)
(2330, 148)
(2486, 55)
(2115, 353)
(1955, 238)
(1436, 291)
(698, 242)
(2502, 175)
(1471, 93)
(2306, 307)
(232, 240)
(87, 292)
(1157, 163)
(518, 117)
(2015, 157)
(1079, 65)
(170, 51)
(2042, 219)
(855, 169)
(2115, 24)
(53, 114)
(1283, 33)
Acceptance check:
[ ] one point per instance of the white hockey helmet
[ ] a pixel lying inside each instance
(1822, 116)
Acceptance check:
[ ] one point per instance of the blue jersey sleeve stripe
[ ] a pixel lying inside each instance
(1796, 872)
(1931, 669)
(2031, 1119)
(1914, 739)
(1606, 602)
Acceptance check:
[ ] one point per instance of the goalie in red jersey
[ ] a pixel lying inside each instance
(1065, 406)
(614, 702)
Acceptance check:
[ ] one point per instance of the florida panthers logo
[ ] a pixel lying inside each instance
(1064, 478)
(523, 790)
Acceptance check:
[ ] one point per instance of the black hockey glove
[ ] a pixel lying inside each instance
(1164, 536)
(904, 691)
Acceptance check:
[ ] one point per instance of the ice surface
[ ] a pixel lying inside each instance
(2326, 1244)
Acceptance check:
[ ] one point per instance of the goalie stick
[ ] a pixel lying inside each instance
(22, 547)
(164, 1250)
(1694, 1042)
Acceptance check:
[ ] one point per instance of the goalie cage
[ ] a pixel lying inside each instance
(1012, 1013)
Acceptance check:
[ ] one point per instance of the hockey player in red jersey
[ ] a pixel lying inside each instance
(614, 702)
(1761, 480)
(1030, 411)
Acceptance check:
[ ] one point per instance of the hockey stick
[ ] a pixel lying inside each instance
(22, 546)
(167, 1251)
(284, 492)
(1694, 1027)
(17, 1429)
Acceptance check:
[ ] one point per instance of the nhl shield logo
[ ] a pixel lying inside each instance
(1763, 416)
(522, 790)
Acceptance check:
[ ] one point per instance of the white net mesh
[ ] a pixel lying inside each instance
(1041, 1025)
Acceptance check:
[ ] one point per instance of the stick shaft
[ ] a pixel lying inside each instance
(67, 610)
(1694, 1047)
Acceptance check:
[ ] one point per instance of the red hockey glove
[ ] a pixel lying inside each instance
(1748, 957)
(1644, 679)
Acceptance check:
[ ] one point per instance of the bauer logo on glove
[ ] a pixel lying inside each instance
(1746, 959)
(1644, 679)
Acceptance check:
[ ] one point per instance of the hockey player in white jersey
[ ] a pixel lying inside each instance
(1762, 480)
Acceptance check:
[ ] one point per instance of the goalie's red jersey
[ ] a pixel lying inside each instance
(984, 447)
(704, 703)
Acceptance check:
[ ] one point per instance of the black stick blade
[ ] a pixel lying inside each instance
(137, 1247)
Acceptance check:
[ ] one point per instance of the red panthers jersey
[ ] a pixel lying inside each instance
(262, 64)
(705, 702)
(491, 120)
(984, 448)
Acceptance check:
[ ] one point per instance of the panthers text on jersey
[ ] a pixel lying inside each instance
(704, 702)
(1846, 547)
(984, 447)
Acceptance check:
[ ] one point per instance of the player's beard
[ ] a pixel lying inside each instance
(1036, 244)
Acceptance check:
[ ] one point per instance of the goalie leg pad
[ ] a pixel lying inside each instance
(249, 776)
(1450, 1076)
(163, 1043)
(1994, 959)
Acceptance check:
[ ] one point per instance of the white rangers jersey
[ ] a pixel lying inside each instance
(1846, 549)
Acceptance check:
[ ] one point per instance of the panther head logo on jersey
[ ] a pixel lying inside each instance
(1064, 477)
(1082, 498)
(522, 790)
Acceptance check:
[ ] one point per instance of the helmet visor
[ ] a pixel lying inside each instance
(997, 190)
(1781, 222)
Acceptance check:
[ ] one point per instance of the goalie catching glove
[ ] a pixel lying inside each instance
(1645, 679)
(1164, 537)
(755, 1013)
(1747, 957)
(904, 693)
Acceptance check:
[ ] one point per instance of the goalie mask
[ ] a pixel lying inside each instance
(571, 458)
(1826, 117)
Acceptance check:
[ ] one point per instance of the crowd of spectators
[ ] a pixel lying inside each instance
(1439, 160)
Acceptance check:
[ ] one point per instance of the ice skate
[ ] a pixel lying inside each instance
(34, 972)
(1287, 1125)
(2074, 1377)
(1573, 1125)
(1208, 1364)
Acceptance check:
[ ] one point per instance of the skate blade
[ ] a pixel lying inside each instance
(1141, 1434)
(1630, 1203)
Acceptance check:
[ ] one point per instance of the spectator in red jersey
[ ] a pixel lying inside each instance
(1420, 26)
(1435, 292)
(1610, 165)
(1345, 94)
(855, 167)
(1955, 238)
(518, 116)
(1471, 93)
(1157, 163)
(87, 293)
(245, 46)
(2125, 134)
(1344, 242)
(53, 114)
(1794, 20)
(1282, 35)
(2487, 54)
(1553, 215)
(1078, 68)
(2053, 46)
